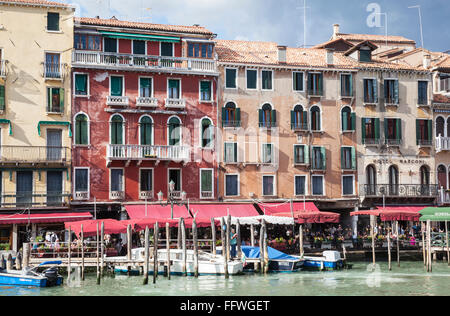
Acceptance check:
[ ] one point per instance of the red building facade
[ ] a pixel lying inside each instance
(144, 113)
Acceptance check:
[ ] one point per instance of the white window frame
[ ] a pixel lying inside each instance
(273, 79)
(153, 129)
(200, 91)
(173, 50)
(350, 155)
(123, 84)
(271, 151)
(237, 153)
(323, 184)
(88, 87)
(153, 181)
(257, 79)
(132, 47)
(201, 133)
(59, 23)
(139, 85)
(304, 81)
(235, 79)
(212, 183)
(123, 179)
(181, 130)
(88, 130)
(342, 184)
(123, 128)
(181, 179)
(304, 153)
(181, 90)
(88, 180)
(117, 46)
(274, 184)
(238, 184)
(306, 184)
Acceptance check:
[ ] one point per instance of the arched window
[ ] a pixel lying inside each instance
(424, 175)
(315, 119)
(117, 130)
(442, 177)
(371, 180)
(447, 129)
(174, 126)
(146, 131)
(299, 118)
(393, 180)
(231, 115)
(440, 126)
(346, 119)
(267, 116)
(207, 129)
(81, 129)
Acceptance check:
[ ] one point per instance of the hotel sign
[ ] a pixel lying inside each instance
(401, 161)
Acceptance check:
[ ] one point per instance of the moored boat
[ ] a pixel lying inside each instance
(30, 277)
(278, 261)
(331, 260)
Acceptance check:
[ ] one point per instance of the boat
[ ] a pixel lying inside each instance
(330, 260)
(278, 261)
(30, 277)
(208, 264)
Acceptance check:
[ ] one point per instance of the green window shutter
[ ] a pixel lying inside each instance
(351, 84)
(386, 129)
(305, 118)
(363, 130)
(61, 100)
(353, 121)
(145, 83)
(417, 132)
(306, 154)
(174, 84)
(80, 84)
(230, 75)
(116, 86)
(224, 115)
(320, 84)
(261, 117)
(353, 158)
(235, 150)
(344, 120)
(52, 21)
(2, 97)
(324, 157)
(205, 86)
(238, 117)
(342, 158)
(430, 130)
(49, 99)
(146, 133)
(399, 128)
(293, 123)
(274, 118)
(313, 156)
(396, 92)
(206, 180)
(377, 129)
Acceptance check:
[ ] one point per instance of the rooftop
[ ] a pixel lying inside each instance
(36, 3)
(375, 38)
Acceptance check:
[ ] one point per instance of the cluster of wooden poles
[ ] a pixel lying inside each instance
(262, 266)
(426, 245)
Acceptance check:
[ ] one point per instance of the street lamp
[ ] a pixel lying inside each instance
(171, 198)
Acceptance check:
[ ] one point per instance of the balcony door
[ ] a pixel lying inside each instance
(393, 181)
(24, 188)
(54, 145)
(54, 188)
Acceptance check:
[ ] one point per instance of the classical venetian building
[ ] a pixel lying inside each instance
(35, 117)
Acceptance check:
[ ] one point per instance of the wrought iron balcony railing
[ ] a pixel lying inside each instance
(53, 70)
(142, 152)
(400, 190)
(34, 154)
(299, 126)
(34, 199)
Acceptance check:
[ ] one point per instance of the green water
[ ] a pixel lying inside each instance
(410, 279)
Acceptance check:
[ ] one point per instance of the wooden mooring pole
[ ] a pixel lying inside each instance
(424, 254)
(168, 249)
(26, 255)
(266, 252)
(429, 261)
(9, 262)
(261, 249)
(129, 247)
(389, 247)
(82, 252)
(69, 254)
(239, 242)
(252, 235)
(213, 235)
(155, 252)
(398, 243)
(102, 248)
(228, 237)
(195, 241)
(446, 241)
(300, 240)
(146, 254)
(224, 247)
(179, 242)
(98, 259)
(19, 261)
(372, 233)
(183, 237)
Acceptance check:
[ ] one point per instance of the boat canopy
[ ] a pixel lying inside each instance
(255, 253)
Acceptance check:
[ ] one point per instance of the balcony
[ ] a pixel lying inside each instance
(3, 68)
(156, 153)
(300, 127)
(371, 141)
(268, 124)
(34, 199)
(53, 71)
(231, 124)
(140, 62)
(393, 142)
(81, 196)
(424, 143)
(206, 195)
(391, 101)
(175, 103)
(370, 101)
(116, 195)
(146, 195)
(442, 143)
(400, 190)
(146, 102)
(34, 154)
(117, 101)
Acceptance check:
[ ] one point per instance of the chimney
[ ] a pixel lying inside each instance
(336, 30)
(330, 57)
(426, 61)
(282, 54)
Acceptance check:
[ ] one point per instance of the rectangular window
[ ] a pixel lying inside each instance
(146, 180)
(348, 158)
(166, 49)
(393, 131)
(198, 50)
(116, 88)
(370, 131)
(346, 85)
(269, 185)
(297, 78)
(267, 153)
(391, 91)
(55, 100)
(424, 132)
(52, 21)
(138, 47)
(318, 158)
(2, 98)
(231, 185)
(315, 84)
(444, 83)
(81, 180)
(174, 89)
(347, 185)
(175, 176)
(370, 91)
(266, 78)
(191, 50)
(52, 66)
(110, 45)
(423, 93)
(117, 180)
(145, 87)
(300, 185)
(252, 79)
(365, 56)
(87, 42)
(300, 153)
(81, 84)
(206, 178)
(230, 152)
(317, 185)
(205, 91)
(230, 78)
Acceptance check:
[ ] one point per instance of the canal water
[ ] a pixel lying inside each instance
(410, 279)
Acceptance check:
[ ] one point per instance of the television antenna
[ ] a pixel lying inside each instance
(420, 21)
(304, 8)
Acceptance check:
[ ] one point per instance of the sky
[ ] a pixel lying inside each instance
(282, 21)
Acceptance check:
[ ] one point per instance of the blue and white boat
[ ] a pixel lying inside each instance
(278, 261)
(30, 277)
(331, 260)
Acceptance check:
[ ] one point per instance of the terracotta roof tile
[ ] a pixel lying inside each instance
(375, 38)
(36, 2)
(145, 26)
(439, 98)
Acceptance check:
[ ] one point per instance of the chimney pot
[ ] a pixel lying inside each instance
(426, 61)
(336, 30)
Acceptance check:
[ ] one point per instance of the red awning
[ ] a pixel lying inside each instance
(141, 223)
(156, 211)
(111, 226)
(366, 212)
(400, 213)
(208, 211)
(286, 208)
(43, 218)
(312, 217)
